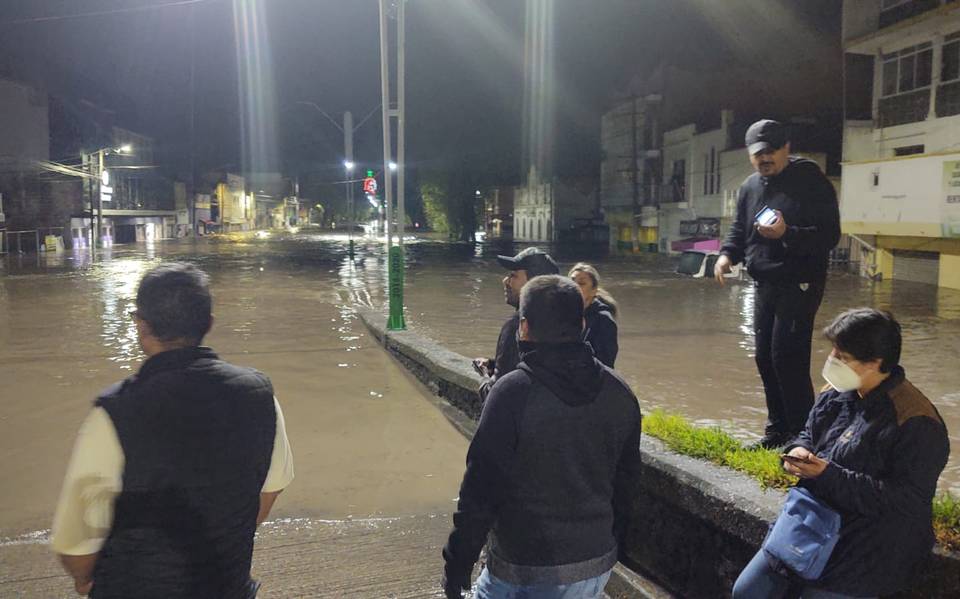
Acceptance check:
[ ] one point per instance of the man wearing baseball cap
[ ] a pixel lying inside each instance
(787, 222)
(529, 263)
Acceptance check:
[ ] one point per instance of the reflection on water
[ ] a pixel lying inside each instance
(288, 301)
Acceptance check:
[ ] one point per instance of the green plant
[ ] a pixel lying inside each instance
(712, 444)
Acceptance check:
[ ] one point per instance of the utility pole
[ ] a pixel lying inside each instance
(349, 164)
(635, 177)
(395, 320)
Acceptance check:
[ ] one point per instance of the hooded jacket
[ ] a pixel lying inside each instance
(886, 452)
(601, 332)
(808, 202)
(551, 471)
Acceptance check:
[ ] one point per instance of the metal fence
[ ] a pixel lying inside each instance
(13, 241)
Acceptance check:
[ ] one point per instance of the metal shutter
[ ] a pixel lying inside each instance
(920, 267)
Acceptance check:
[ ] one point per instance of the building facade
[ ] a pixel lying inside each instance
(543, 211)
(630, 171)
(901, 145)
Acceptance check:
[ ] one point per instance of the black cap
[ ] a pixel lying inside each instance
(533, 260)
(765, 135)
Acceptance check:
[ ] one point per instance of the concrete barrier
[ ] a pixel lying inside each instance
(696, 525)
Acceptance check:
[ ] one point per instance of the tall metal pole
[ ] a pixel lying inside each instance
(385, 95)
(395, 320)
(401, 115)
(348, 157)
(100, 198)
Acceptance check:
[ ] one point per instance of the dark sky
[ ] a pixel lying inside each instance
(464, 69)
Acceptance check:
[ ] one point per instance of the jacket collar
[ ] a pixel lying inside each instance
(881, 392)
(175, 359)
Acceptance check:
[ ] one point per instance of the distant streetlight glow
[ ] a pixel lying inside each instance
(125, 149)
(348, 164)
(393, 166)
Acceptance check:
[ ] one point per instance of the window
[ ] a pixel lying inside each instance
(907, 70)
(908, 150)
(950, 68)
(711, 173)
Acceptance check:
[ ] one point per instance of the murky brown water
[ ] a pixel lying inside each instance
(365, 442)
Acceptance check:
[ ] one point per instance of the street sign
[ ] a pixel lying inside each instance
(370, 186)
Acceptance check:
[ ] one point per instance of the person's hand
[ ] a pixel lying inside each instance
(453, 589)
(775, 230)
(723, 266)
(806, 464)
(483, 366)
(83, 585)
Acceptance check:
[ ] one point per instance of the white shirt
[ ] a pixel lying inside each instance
(94, 478)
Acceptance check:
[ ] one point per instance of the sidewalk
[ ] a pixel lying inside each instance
(382, 557)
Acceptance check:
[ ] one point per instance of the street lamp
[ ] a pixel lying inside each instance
(392, 165)
(349, 164)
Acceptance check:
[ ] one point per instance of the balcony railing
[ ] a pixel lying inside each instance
(906, 10)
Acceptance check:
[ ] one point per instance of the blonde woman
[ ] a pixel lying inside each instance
(600, 313)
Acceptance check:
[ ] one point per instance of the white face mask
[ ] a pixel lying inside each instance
(840, 376)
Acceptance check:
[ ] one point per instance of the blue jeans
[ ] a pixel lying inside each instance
(491, 587)
(759, 581)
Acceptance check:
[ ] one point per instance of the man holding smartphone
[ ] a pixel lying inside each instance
(787, 222)
(529, 263)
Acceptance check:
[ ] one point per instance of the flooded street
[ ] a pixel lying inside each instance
(366, 443)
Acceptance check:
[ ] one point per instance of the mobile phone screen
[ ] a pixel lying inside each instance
(766, 216)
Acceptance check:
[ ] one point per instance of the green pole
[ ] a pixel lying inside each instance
(395, 283)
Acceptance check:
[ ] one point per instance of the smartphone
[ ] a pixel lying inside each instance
(481, 367)
(766, 217)
(792, 458)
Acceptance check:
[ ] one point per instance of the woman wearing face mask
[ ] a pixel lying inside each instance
(600, 313)
(872, 451)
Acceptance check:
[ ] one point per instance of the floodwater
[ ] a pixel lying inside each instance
(366, 443)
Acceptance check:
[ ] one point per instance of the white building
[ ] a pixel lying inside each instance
(901, 147)
(542, 209)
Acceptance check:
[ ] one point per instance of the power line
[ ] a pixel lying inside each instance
(100, 13)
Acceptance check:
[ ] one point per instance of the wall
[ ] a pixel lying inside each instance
(910, 199)
(24, 122)
(695, 525)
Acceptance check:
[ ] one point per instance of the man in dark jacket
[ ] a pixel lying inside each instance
(787, 222)
(176, 466)
(529, 263)
(553, 466)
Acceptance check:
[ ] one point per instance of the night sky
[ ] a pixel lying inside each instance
(464, 70)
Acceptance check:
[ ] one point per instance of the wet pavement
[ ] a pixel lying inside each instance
(366, 443)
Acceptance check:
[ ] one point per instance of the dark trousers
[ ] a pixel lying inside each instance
(783, 317)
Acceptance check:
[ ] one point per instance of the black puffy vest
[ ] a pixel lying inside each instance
(197, 436)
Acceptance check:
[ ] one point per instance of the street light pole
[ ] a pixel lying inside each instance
(401, 107)
(395, 320)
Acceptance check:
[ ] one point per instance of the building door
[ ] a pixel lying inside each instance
(919, 267)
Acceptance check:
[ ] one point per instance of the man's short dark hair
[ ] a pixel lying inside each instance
(174, 299)
(553, 308)
(867, 334)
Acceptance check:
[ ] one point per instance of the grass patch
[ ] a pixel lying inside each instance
(764, 465)
(716, 446)
(946, 520)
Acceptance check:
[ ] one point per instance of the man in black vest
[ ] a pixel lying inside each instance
(176, 466)
(553, 467)
(529, 263)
